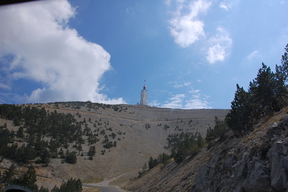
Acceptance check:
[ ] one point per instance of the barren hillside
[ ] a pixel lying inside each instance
(137, 133)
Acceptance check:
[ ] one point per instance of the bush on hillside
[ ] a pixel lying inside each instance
(184, 144)
(220, 128)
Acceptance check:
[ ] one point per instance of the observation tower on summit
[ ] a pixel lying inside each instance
(144, 95)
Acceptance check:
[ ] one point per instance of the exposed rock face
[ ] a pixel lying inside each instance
(278, 156)
(258, 162)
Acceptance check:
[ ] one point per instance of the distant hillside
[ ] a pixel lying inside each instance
(107, 141)
(256, 162)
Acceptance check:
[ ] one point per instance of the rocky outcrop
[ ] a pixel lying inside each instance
(258, 163)
(278, 156)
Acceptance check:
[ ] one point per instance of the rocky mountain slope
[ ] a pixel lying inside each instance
(137, 133)
(257, 162)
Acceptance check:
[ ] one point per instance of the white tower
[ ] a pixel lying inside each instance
(144, 95)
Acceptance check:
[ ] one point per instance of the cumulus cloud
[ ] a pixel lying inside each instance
(220, 45)
(41, 47)
(185, 26)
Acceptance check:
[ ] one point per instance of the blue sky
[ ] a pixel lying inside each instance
(191, 53)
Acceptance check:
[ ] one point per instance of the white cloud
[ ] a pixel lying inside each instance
(197, 103)
(229, 4)
(192, 100)
(177, 86)
(154, 103)
(167, 2)
(185, 27)
(223, 6)
(182, 85)
(193, 91)
(216, 53)
(4, 86)
(252, 55)
(50, 53)
(175, 102)
(220, 46)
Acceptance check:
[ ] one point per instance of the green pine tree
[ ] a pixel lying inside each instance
(239, 118)
(9, 174)
(29, 179)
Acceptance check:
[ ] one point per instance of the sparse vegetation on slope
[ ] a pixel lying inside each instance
(121, 141)
(35, 124)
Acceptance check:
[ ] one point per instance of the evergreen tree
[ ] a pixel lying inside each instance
(55, 189)
(8, 174)
(72, 185)
(4, 140)
(42, 189)
(45, 157)
(91, 151)
(70, 157)
(267, 93)
(29, 153)
(79, 147)
(220, 128)
(284, 61)
(239, 118)
(281, 77)
(61, 153)
(152, 163)
(20, 133)
(29, 179)
(200, 141)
